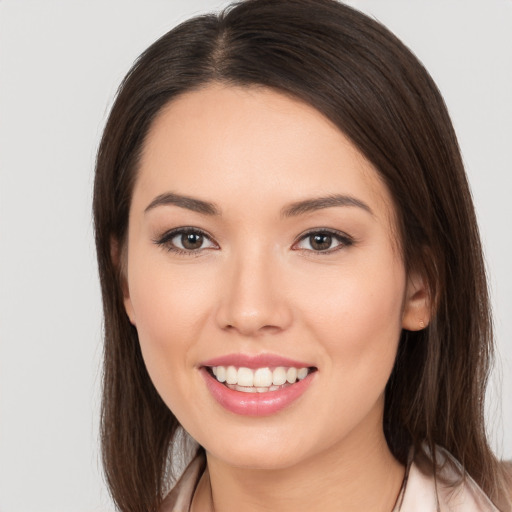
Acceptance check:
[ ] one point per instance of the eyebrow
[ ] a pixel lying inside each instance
(196, 205)
(292, 210)
(310, 205)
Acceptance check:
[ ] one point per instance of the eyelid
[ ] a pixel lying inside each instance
(343, 238)
(165, 240)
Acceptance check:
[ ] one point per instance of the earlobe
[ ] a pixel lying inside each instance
(119, 263)
(417, 304)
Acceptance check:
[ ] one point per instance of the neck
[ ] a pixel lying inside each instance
(358, 475)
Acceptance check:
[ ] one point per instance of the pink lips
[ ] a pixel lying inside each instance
(255, 404)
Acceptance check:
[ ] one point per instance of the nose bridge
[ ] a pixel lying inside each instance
(252, 300)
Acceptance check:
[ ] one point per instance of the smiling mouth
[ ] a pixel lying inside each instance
(258, 380)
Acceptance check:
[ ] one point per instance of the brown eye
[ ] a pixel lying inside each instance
(191, 241)
(186, 241)
(321, 241)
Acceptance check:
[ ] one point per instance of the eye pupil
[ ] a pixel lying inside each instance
(192, 240)
(321, 241)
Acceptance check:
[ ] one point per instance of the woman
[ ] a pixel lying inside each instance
(291, 272)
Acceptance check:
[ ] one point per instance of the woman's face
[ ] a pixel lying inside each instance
(261, 239)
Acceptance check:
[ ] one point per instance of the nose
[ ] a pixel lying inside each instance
(253, 297)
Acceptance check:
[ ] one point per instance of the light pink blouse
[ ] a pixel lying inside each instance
(421, 492)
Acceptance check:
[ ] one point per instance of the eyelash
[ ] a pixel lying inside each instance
(343, 239)
(165, 241)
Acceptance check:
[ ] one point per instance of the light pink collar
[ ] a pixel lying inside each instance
(421, 492)
(447, 491)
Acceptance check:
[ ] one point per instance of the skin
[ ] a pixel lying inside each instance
(257, 285)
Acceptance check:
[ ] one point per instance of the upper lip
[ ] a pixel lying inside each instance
(254, 361)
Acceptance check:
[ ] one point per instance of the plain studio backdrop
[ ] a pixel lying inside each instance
(60, 65)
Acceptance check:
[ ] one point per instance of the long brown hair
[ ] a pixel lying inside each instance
(361, 77)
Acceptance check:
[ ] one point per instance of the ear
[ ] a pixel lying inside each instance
(118, 256)
(417, 303)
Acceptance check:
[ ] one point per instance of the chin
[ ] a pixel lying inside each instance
(259, 449)
(258, 460)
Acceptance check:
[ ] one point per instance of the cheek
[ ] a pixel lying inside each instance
(356, 317)
(170, 307)
(167, 298)
(356, 322)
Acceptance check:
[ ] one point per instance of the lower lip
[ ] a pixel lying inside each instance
(255, 404)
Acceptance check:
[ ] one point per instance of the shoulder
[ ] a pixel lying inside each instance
(180, 496)
(506, 484)
(448, 489)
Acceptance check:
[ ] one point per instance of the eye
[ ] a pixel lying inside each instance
(323, 241)
(186, 241)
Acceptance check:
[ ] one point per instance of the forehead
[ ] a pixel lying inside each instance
(255, 146)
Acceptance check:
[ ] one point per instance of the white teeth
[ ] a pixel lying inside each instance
(302, 373)
(291, 375)
(263, 378)
(245, 377)
(279, 376)
(260, 380)
(252, 389)
(220, 373)
(231, 375)
(245, 389)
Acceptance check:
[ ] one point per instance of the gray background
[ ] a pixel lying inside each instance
(60, 64)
